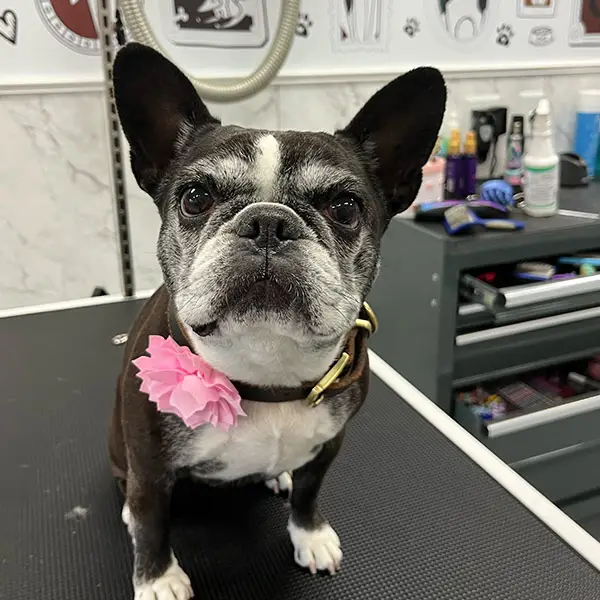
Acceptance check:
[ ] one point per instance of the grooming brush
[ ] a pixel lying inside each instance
(535, 271)
(541, 268)
(498, 191)
(460, 219)
(532, 277)
(434, 211)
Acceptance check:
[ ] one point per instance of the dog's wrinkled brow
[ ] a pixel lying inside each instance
(261, 172)
(319, 176)
(222, 169)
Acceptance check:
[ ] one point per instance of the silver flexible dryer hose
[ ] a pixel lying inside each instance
(137, 23)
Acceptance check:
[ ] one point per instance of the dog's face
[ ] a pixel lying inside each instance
(276, 229)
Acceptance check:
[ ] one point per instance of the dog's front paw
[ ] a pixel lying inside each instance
(317, 549)
(282, 484)
(173, 584)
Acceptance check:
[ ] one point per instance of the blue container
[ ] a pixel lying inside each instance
(587, 128)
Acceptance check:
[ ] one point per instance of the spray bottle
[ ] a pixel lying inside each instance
(513, 171)
(541, 166)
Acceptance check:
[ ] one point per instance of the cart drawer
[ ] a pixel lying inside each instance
(564, 475)
(518, 296)
(523, 346)
(527, 435)
(534, 421)
(485, 304)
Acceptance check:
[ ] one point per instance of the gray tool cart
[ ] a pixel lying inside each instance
(461, 325)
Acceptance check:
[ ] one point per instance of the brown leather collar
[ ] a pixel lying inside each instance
(345, 371)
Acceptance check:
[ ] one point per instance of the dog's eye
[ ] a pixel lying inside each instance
(345, 211)
(195, 200)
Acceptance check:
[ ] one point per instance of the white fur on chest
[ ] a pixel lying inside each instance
(264, 357)
(271, 439)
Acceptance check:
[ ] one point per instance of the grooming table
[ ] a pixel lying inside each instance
(418, 518)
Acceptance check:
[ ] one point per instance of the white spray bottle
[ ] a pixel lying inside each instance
(541, 166)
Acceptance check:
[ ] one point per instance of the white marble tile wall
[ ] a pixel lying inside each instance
(57, 226)
(56, 221)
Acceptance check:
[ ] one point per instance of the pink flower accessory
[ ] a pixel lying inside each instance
(181, 383)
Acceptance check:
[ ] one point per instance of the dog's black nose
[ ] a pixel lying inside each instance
(268, 227)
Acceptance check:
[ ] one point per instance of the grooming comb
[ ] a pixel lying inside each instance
(523, 396)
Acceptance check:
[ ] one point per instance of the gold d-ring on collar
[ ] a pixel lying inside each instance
(317, 393)
(370, 323)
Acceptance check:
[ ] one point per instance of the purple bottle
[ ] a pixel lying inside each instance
(454, 164)
(469, 166)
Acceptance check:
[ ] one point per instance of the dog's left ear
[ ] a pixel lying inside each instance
(157, 103)
(397, 128)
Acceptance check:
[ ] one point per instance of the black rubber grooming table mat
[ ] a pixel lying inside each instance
(418, 520)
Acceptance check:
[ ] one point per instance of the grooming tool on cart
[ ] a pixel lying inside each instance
(535, 271)
(460, 219)
(523, 396)
(434, 211)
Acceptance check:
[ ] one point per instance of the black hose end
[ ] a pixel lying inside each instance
(120, 29)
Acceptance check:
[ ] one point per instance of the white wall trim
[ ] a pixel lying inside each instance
(50, 87)
(34, 309)
(326, 77)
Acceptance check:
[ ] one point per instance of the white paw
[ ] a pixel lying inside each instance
(174, 584)
(126, 514)
(316, 550)
(282, 484)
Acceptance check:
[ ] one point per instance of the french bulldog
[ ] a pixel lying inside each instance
(269, 245)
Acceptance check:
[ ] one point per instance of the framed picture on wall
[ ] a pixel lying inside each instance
(216, 23)
(536, 9)
(585, 23)
(360, 24)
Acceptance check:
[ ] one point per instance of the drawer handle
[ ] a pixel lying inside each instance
(542, 417)
(535, 293)
(481, 292)
(477, 337)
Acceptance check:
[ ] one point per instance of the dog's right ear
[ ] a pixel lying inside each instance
(156, 102)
